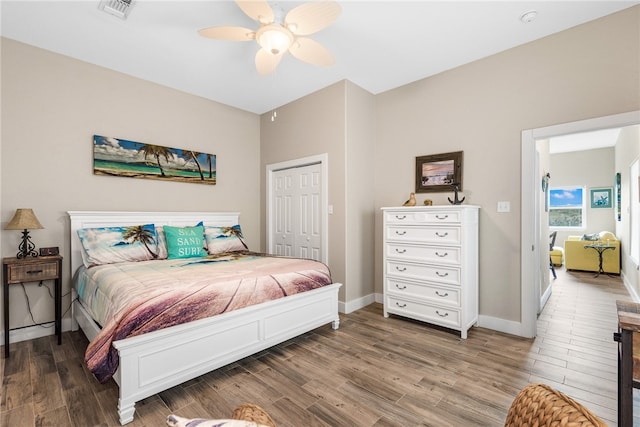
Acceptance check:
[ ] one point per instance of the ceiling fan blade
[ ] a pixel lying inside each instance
(228, 33)
(257, 10)
(266, 62)
(309, 18)
(311, 51)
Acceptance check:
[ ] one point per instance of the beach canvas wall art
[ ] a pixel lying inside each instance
(120, 157)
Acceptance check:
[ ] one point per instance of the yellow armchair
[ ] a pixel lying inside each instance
(578, 257)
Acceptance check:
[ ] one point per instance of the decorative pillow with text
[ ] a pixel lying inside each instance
(184, 242)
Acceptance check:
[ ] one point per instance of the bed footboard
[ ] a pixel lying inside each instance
(162, 359)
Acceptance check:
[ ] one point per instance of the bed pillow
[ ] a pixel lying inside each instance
(591, 237)
(162, 243)
(109, 245)
(224, 239)
(184, 242)
(175, 421)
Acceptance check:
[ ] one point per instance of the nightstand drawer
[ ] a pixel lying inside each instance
(34, 271)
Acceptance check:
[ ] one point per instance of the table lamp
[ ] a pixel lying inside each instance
(25, 220)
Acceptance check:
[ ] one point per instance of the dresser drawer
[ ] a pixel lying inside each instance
(433, 273)
(435, 235)
(423, 311)
(428, 217)
(426, 291)
(431, 254)
(30, 272)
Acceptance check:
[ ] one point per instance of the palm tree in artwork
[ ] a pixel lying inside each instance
(156, 151)
(139, 234)
(189, 155)
(210, 158)
(234, 231)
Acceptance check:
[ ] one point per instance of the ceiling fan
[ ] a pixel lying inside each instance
(276, 35)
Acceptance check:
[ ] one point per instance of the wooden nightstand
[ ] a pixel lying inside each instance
(15, 271)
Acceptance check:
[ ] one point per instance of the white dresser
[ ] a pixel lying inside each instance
(430, 262)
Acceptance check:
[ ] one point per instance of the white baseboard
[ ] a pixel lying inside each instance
(357, 304)
(500, 325)
(632, 292)
(33, 332)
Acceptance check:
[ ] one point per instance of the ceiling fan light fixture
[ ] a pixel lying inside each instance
(274, 38)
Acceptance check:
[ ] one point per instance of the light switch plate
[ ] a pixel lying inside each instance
(504, 206)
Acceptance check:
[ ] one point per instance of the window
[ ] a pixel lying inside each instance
(566, 207)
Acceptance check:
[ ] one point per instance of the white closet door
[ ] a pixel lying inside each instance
(283, 208)
(308, 240)
(297, 201)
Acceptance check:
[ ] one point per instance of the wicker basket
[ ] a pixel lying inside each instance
(250, 412)
(541, 405)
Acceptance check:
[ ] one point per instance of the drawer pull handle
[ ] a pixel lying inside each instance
(445, 274)
(401, 217)
(442, 255)
(34, 271)
(401, 305)
(401, 233)
(401, 268)
(401, 251)
(445, 234)
(403, 287)
(442, 217)
(442, 315)
(446, 294)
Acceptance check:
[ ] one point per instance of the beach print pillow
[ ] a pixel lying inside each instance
(184, 242)
(109, 245)
(224, 239)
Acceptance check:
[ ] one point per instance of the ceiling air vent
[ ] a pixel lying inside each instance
(118, 8)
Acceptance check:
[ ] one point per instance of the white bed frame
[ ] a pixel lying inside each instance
(162, 359)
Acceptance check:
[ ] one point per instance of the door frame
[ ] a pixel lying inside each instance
(323, 160)
(529, 250)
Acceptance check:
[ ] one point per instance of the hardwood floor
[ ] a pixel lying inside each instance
(371, 372)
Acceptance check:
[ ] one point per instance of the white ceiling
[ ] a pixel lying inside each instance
(378, 45)
(584, 141)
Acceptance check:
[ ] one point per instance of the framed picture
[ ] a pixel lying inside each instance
(124, 158)
(618, 196)
(439, 172)
(601, 198)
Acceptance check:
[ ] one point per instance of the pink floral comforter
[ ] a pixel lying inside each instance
(134, 298)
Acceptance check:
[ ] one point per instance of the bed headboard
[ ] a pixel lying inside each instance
(91, 219)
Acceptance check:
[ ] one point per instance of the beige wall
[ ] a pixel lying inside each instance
(360, 198)
(627, 151)
(591, 169)
(481, 108)
(51, 107)
(309, 126)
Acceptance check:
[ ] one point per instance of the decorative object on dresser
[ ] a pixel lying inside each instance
(25, 220)
(21, 270)
(430, 264)
(456, 200)
(438, 172)
(411, 201)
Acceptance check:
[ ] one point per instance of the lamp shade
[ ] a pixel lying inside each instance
(24, 219)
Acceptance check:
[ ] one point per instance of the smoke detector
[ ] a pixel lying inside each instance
(529, 16)
(117, 8)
